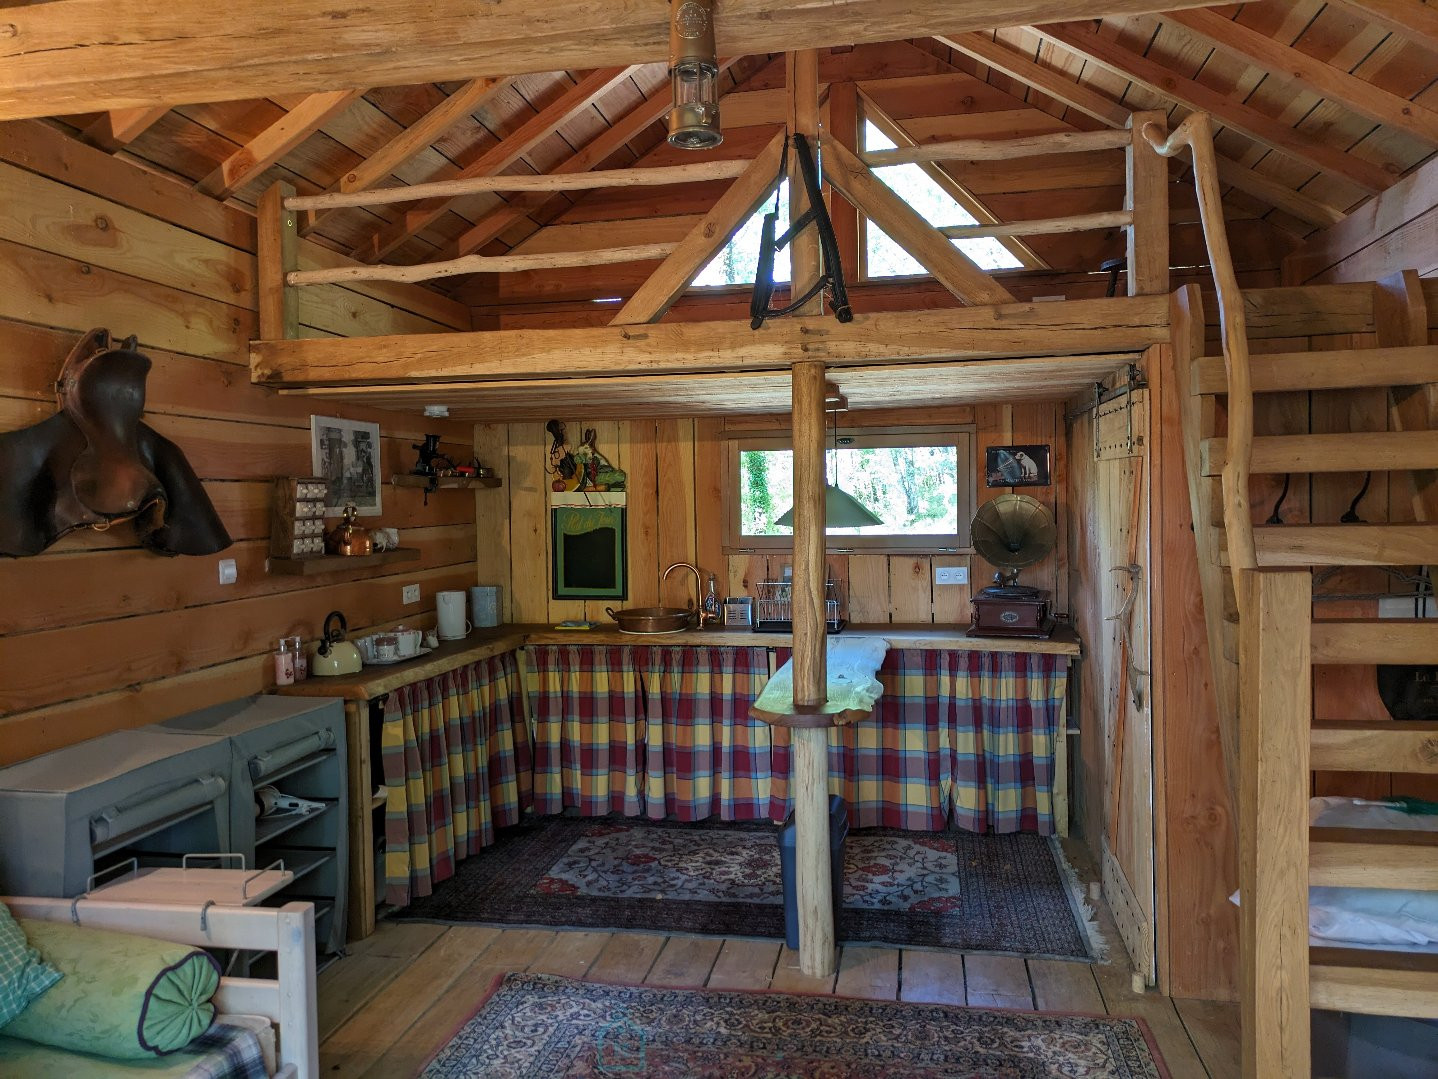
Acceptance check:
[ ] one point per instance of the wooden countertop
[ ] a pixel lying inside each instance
(375, 681)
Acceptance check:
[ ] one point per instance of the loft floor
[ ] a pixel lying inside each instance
(402, 993)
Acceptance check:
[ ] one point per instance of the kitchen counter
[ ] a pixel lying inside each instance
(375, 681)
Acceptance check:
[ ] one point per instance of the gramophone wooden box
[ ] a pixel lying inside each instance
(1011, 611)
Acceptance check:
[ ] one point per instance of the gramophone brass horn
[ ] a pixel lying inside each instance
(1012, 531)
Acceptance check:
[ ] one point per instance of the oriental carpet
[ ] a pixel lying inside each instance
(545, 1026)
(1005, 894)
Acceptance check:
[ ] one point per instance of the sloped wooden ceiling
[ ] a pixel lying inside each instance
(1319, 105)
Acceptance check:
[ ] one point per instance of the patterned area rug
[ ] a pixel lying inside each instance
(543, 1026)
(1007, 894)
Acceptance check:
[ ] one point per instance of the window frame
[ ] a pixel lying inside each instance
(963, 435)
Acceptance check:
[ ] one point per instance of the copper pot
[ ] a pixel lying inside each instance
(653, 619)
(347, 537)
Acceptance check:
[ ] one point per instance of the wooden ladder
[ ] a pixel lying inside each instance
(1258, 596)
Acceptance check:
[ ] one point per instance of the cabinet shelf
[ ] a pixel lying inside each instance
(445, 483)
(336, 563)
(267, 830)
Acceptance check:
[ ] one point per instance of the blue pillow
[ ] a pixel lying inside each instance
(23, 974)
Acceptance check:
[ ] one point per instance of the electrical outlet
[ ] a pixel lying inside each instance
(411, 593)
(228, 573)
(951, 574)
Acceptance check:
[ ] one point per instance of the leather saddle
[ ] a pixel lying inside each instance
(94, 463)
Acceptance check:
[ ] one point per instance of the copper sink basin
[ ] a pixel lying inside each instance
(653, 619)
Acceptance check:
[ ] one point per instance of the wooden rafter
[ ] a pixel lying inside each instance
(498, 157)
(594, 153)
(66, 57)
(705, 239)
(947, 181)
(1107, 111)
(1324, 79)
(275, 141)
(420, 135)
(1076, 328)
(1261, 128)
(112, 130)
(1411, 19)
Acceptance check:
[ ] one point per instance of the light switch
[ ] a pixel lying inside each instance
(951, 574)
(229, 574)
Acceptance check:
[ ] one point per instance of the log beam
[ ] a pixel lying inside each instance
(1063, 142)
(1076, 328)
(66, 57)
(112, 130)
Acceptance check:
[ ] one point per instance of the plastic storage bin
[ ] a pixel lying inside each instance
(838, 832)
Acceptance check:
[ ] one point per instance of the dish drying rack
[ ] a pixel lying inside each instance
(774, 607)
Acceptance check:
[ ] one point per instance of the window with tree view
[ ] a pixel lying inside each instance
(917, 483)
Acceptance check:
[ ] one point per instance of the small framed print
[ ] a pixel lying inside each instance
(347, 454)
(1017, 466)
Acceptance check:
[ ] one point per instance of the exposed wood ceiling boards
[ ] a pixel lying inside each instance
(275, 142)
(1331, 82)
(65, 57)
(112, 130)
(418, 136)
(498, 158)
(594, 153)
(1274, 134)
(1412, 19)
(1098, 106)
(905, 385)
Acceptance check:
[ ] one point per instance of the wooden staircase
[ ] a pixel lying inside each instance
(1258, 596)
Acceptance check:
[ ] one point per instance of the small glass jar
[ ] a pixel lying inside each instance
(284, 664)
(302, 659)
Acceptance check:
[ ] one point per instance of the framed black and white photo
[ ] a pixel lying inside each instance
(1017, 466)
(347, 454)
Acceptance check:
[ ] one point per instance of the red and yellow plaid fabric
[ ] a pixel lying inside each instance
(457, 765)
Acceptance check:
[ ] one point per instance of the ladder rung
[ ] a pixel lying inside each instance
(1373, 858)
(1374, 746)
(1344, 545)
(1374, 982)
(1377, 640)
(1334, 370)
(1352, 451)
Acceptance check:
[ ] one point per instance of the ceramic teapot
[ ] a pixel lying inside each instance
(334, 655)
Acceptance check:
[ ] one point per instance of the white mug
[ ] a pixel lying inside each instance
(408, 641)
(449, 607)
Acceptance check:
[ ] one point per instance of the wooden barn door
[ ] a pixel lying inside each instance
(1114, 618)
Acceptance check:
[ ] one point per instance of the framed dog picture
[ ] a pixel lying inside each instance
(1017, 466)
(347, 454)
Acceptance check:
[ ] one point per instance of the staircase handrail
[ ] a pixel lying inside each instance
(1196, 132)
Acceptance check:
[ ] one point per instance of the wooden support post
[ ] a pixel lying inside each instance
(844, 129)
(1275, 720)
(1146, 197)
(809, 777)
(278, 247)
(802, 83)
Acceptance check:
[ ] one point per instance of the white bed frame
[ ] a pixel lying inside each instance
(288, 1001)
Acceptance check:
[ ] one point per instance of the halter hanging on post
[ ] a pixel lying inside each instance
(818, 215)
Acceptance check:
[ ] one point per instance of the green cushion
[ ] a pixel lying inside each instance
(122, 996)
(23, 974)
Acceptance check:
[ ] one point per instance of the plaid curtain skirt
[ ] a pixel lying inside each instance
(960, 736)
(457, 765)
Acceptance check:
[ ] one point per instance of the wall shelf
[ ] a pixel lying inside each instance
(587, 498)
(336, 563)
(445, 483)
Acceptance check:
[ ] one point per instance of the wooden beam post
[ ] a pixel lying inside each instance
(801, 80)
(809, 778)
(277, 251)
(1401, 313)
(1275, 720)
(1146, 197)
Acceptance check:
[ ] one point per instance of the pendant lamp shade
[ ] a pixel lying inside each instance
(841, 510)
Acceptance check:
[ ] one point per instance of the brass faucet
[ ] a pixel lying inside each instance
(706, 618)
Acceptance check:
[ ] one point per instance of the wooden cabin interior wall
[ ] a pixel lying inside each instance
(100, 634)
(674, 501)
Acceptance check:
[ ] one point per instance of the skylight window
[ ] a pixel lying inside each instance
(936, 206)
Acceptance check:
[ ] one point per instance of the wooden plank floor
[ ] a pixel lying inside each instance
(401, 994)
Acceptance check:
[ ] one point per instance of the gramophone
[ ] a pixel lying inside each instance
(1010, 532)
